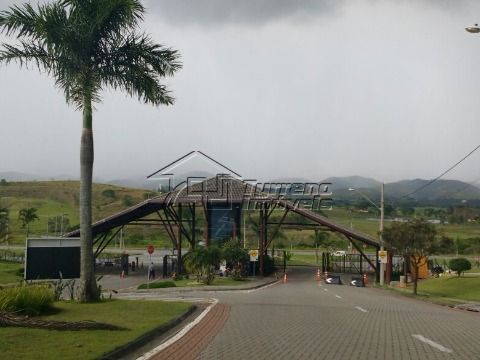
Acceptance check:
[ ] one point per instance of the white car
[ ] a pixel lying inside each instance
(340, 253)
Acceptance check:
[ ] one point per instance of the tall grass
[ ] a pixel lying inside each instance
(26, 299)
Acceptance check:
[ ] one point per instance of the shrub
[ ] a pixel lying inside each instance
(109, 193)
(157, 285)
(26, 299)
(128, 200)
(236, 257)
(201, 262)
(459, 265)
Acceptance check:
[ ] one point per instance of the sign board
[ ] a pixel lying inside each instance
(253, 255)
(357, 281)
(382, 257)
(52, 258)
(150, 249)
(333, 280)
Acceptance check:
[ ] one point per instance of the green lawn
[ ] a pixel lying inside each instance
(304, 259)
(10, 272)
(138, 316)
(462, 288)
(219, 281)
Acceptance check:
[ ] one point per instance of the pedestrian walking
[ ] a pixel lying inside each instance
(151, 272)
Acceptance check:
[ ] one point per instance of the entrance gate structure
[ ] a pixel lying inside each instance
(178, 212)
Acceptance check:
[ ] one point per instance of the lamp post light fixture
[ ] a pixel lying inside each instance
(381, 208)
(473, 29)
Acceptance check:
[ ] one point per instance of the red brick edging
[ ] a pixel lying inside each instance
(197, 339)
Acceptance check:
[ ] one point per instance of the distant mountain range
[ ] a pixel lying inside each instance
(441, 192)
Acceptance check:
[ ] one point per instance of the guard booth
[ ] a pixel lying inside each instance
(52, 258)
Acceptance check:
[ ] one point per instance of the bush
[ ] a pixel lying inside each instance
(109, 193)
(26, 299)
(128, 200)
(157, 285)
(459, 265)
(236, 257)
(202, 262)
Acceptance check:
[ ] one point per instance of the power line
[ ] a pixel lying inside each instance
(444, 173)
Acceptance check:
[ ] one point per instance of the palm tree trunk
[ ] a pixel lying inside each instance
(88, 286)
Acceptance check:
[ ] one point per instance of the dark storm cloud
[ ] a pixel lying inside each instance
(209, 12)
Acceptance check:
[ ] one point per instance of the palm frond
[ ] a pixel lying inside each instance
(136, 64)
(21, 19)
(90, 44)
(26, 53)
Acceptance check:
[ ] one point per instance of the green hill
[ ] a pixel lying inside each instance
(56, 198)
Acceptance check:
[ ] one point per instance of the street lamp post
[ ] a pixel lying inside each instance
(380, 235)
(473, 29)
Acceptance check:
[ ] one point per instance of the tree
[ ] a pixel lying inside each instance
(444, 245)
(26, 216)
(88, 45)
(236, 256)
(202, 261)
(459, 265)
(414, 239)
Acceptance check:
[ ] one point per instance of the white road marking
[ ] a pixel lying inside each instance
(179, 335)
(338, 296)
(433, 344)
(360, 309)
(325, 289)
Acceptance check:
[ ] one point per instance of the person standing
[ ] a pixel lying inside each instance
(151, 272)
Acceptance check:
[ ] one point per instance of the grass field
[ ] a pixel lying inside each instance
(138, 316)
(10, 272)
(462, 288)
(54, 198)
(305, 259)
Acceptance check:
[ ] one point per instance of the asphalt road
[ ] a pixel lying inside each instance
(303, 319)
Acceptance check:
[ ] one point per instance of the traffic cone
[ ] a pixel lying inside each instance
(365, 279)
(285, 277)
(318, 275)
(122, 275)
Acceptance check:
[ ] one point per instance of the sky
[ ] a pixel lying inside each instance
(275, 89)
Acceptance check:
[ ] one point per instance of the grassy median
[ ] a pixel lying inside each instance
(218, 281)
(138, 317)
(462, 288)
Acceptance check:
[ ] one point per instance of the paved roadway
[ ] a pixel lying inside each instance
(306, 320)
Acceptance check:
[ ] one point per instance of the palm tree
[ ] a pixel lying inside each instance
(88, 45)
(26, 216)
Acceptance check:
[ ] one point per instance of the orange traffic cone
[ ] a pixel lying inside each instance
(365, 279)
(318, 275)
(122, 275)
(285, 277)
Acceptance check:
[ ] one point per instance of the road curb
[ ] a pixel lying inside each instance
(148, 336)
(199, 288)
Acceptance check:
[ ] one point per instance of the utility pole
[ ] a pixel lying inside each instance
(382, 213)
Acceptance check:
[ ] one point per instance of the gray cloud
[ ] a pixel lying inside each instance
(211, 12)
